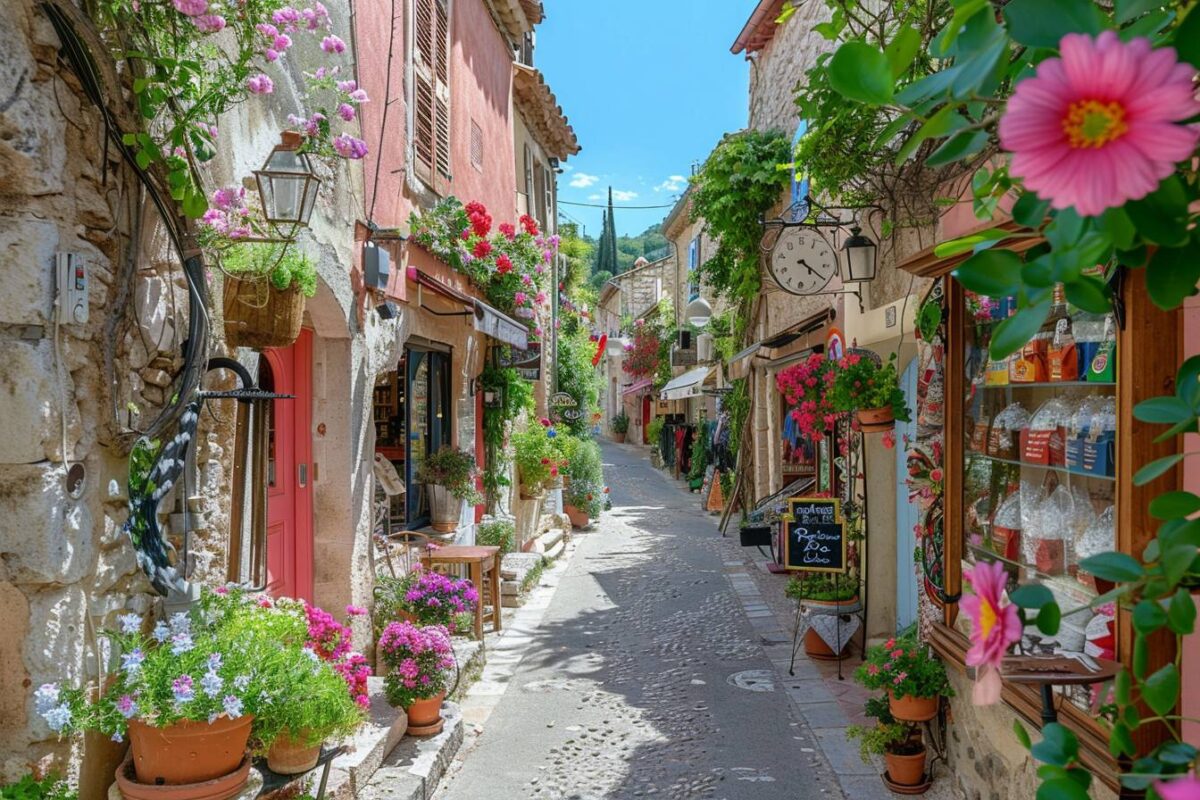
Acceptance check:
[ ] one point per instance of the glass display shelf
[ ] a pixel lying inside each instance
(1049, 384)
(971, 454)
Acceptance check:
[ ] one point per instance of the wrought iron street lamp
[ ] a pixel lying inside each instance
(698, 312)
(859, 263)
(287, 186)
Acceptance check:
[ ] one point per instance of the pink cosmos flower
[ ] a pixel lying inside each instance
(1098, 126)
(993, 628)
(1185, 788)
(191, 8)
(260, 84)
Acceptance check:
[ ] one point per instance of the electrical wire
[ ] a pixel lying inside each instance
(605, 205)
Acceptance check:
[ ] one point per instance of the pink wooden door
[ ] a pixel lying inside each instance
(289, 470)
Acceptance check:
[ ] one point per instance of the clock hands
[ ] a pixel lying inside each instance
(804, 264)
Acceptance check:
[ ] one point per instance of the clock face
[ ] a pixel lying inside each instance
(802, 262)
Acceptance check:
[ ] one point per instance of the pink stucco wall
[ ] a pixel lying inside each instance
(480, 91)
(1191, 482)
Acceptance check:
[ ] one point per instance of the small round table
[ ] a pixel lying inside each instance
(1049, 671)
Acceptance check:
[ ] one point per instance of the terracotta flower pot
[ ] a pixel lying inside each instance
(906, 770)
(814, 645)
(876, 420)
(221, 788)
(292, 756)
(912, 709)
(578, 517)
(188, 752)
(619, 438)
(425, 716)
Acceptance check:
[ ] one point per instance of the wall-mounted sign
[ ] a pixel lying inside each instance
(563, 400)
(835, 345)
(814, 537)
(572, 413)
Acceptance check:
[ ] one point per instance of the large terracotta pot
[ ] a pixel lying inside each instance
(445, 509)
(814, 645)
(257, 315)
(293, 755)
(619, 438)
(876, 420)
(578, 517)
(221, 788)
(425, 716)
(906, 770)
(188, 752)
(907, 708)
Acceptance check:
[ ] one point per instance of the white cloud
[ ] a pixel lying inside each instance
(673, 183)
(596, 196)
(582, 180)
(622, 196)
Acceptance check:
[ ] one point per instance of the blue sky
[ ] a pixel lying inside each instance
(649, 86)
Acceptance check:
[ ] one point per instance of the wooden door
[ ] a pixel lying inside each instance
(289, 469)
(646, 420)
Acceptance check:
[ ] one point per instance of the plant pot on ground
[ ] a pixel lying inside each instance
(264, 293)
(620, 427)
(913, 677)
(578, 517)
(829, 595)
(418, 659)
(450, 476)
(583, 497)
(898, 742)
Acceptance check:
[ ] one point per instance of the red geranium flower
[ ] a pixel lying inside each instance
(482, 248)
(503, 264)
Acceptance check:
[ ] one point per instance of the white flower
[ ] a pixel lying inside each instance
(131, 662)
(58, 718)
(233, 706)
(181, 643)
(180, 623)
(241, 682)
(129, 623)
(46, 697)
(211, 683)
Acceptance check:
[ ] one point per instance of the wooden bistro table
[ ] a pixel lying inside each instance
(484, 565)
(1049, 671)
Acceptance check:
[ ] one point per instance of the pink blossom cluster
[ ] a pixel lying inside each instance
(228, 214)
(806, 386)
(331, 641)
(416, 654)
(439, 597)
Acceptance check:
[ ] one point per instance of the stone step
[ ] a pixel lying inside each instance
(415, 766)
(514, 566)
(471, 657)
(557, 550)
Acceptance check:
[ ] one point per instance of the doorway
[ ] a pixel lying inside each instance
(289, 463)
(646, 420)
(906, 512)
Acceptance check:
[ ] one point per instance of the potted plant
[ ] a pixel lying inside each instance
(496, 533)
(806, 387)
(417, 659)
(584, 496)
(449, 475)
(264, 294)
(913, 677)
(871, 390)
(424, 597)
(829, 595)
(898, 742)
(536, 458)
(620, 426)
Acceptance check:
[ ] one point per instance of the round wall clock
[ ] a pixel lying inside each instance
(802, 262)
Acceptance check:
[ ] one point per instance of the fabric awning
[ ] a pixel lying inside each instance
(637, 386)
(686, 385)
(500, 326)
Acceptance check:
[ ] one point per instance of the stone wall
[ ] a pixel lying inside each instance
(781, 64)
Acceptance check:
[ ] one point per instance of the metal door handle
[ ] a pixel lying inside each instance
(303, 475)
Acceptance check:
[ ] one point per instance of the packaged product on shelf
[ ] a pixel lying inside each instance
(1043, 543)
(996, 373)
(1097, 538)
(1077, 430)
(1028, 365)
(1063, 357)
(980, 431)
(1006, 528)
(1043, 442)
(1103, 366)
(1083, 514)
(1004, 439)
(1088, 330)
(1100, 443)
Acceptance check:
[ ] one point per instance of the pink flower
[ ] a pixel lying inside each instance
(897, 653)
(872, 669)
(191, 8)
(508, 230)
(1097, 127)
(993, 628)
(347, 86)
(356, 611)
(209, 23)
(1185, 788)
(482, 248)
(349, 147)
(260, 84)
(520, 298)
(503, 264)
(899, 679)
(888, 440)
(332, 44)
(346, 111)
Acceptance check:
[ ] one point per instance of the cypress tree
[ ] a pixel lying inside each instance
(601, 260)
(610, 235)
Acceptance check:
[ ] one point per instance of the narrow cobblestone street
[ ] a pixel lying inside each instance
(646, 677)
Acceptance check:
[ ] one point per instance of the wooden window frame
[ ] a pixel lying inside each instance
(1148, 374)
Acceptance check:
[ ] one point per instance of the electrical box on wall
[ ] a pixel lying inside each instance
(376, 266)
(72, 287)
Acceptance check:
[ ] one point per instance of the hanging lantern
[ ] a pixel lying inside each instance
(698, 312)
(287, 185)
(860, 258)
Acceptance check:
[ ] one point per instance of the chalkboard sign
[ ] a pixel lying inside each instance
(816, 537)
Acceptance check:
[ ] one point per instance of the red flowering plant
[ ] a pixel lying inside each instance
(642, 354)
(807, 386)
(510, 263)
(904, 667)
(860, 383)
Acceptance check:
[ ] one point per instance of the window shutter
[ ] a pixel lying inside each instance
(548, 191)
(528, 181)
(539, 198)
(441, 126)
(423, 88)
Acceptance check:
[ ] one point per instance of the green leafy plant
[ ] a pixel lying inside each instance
(586, 488)
(286, 267)
(496, 533)
(620, 423)
(821, 586)
(654, 430)
(887, 735)
(513, 396)
(309, 702)
(905, 667)
(455, 470)
(861, 384)
(537, 456)
(31, 788)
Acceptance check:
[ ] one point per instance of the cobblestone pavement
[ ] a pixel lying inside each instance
(654, 671)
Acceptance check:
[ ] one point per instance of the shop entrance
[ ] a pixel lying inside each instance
(289, 458)
(906, 512)
(412, 420)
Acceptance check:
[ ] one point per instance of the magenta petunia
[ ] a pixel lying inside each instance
(994, 627)
(1185, 788)
(1099, 125)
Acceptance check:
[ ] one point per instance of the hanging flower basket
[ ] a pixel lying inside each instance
(876, 420)
(258, 316)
